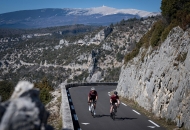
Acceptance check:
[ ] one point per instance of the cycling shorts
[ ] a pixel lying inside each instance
(113, 103)
(92, 99)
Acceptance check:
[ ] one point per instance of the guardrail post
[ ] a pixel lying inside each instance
(67, 123)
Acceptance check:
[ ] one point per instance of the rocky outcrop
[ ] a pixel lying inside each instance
(158, 79)
(92, 63)
(23, 111)
(107, 31)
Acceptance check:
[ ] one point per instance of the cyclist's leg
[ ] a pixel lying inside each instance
(115, 105)
(94, 103)
(90, 104)
(111, 108)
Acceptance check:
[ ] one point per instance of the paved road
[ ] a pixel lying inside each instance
(126, 118)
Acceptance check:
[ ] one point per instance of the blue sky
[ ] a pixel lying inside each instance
(15, 5)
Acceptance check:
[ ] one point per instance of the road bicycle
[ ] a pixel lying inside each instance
(114, 111)
(92, 108)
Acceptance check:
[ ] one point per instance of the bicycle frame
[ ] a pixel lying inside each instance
(114, 111)
(92, 108)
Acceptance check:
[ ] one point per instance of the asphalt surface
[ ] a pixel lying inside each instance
(126, 117)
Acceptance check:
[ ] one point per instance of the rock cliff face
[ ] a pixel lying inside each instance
(24, 110)
(159, 81)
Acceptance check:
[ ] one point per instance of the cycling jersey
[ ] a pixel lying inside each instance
(114, 98)
(93, 95)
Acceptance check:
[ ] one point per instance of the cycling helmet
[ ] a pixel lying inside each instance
(115, 92)
(92, 88)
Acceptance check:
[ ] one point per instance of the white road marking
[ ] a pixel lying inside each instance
(72, 107)
(151, 126)
(124, 104)
(75, 116)
(70, 100)
(85, 123)
(109, 94)
(136, 112)
(154, 123)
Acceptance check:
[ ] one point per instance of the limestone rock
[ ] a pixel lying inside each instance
(23, 111)
(160, 81)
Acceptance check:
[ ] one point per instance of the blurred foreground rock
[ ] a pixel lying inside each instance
(24, 110)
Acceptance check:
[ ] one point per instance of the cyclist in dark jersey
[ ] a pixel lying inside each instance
(92, 97)
(114, 99)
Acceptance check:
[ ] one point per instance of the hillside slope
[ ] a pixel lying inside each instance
(91, 56)
(158, 78)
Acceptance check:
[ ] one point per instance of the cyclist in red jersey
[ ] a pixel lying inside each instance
(114, 99)
(92, 97)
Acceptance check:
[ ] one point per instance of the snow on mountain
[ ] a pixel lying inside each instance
(104, 10)
(41, 18)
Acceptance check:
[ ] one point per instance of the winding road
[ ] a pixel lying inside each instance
(126, 118)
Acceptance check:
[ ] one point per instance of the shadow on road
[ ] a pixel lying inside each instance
(116, 118)
(99, 116)
(124, 118)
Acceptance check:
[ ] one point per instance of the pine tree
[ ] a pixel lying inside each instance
(176, 10)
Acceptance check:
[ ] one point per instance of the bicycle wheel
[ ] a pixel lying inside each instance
(113, 115)
(92, 110)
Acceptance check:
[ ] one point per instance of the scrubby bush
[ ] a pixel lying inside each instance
(80, 77)
(168, 29)
(131, 55)
(45, 89)
(176, 10)
(156, 35)
(181, 57)
(119, 57)
(112, 75)
(6, 90)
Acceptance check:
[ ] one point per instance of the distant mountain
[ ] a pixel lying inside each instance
(57, 17)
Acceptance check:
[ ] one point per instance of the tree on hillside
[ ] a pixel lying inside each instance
(6, 89)
(178, 10)
(45, 89)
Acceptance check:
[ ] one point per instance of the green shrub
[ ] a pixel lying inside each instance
(69, 80)
(183, 18)
(112, 74)
(45, 89)
(6, 90)
(131, 55)
(152, 37)
(156, 35)
(79, 78)
(119, 57)
(181, 57)
(145, 40)
(168, 29)
(176, 10)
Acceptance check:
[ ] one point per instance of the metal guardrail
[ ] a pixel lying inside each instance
(65, 108)
(87, 84)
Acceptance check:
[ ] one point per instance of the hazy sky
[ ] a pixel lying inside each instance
(15, 5)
